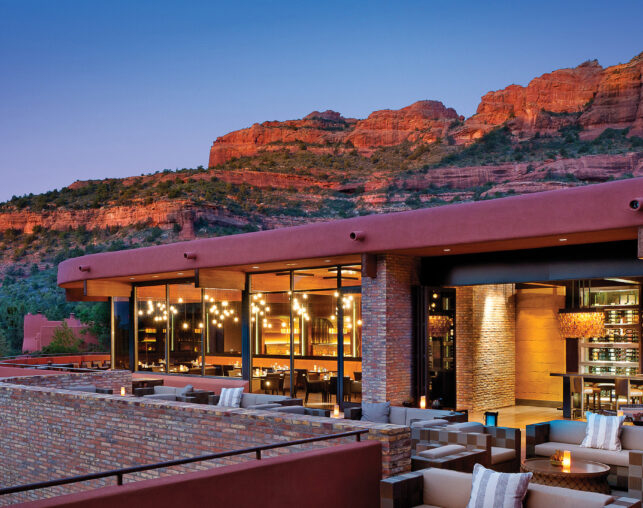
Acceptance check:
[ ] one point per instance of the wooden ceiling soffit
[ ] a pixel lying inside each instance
(220, 279)
(78, 295)
(103, 288)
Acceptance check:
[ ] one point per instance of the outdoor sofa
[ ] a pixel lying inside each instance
(467, 443)
(181, 394)
(411, 416)
(442, 488)
(260, 401)
(626, 466)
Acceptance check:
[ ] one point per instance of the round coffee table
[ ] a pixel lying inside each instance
(582, 475)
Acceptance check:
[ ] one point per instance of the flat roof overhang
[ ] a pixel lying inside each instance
(580, 215)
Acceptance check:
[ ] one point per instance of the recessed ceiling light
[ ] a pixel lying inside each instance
(179, 273)
(255, 267)
(562, 239)
(155, 276)
(327, 260)
(132, 278)
(446, 250)
(291, 264)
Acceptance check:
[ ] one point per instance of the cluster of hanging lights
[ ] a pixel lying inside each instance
(220, 311)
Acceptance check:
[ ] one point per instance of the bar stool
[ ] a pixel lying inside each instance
(607, 387)
(590, 389)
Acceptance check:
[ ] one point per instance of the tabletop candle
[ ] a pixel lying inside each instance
(567, 460)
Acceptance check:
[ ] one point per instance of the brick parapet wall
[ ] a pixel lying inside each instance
(485, 346)
(52, 432)
(114, 379)
(387, 343)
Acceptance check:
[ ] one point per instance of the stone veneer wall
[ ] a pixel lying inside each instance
(539, 347)
(485, 346)
(387, 332)
(51, 432)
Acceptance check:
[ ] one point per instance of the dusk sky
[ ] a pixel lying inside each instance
(95, 89)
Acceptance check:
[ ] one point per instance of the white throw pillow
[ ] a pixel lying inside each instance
(603, 432)
(230, 397)
(490, 489)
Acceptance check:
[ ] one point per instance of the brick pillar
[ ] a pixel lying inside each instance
(387, 332)
(485, 346)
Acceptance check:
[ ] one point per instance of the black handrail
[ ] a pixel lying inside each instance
(159, 465)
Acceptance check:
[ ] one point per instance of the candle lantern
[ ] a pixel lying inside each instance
(567, 460)
(123, 391)
(336, 411)
(423, 402)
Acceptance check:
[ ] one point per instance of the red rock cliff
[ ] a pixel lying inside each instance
(424, 121)
(596, 98)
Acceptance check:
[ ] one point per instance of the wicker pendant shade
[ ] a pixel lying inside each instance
(581, 323)
(439, 325)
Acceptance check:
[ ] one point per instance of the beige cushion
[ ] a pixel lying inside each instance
(442, 451)
(543, 496)
(423, 424)
(445, 488)
(621, 458)
(499, 455)
(567, 431)
(632, 437)
(466, 427)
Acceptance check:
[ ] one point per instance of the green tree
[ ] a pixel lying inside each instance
(5, 347)
(64, 341)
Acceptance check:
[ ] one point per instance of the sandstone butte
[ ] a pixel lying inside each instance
(590, 95)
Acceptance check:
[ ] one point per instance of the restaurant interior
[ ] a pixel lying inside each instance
(295, 326)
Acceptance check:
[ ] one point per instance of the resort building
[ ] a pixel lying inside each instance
(474, 305)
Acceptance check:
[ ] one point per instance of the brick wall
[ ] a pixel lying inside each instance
(50, 432)
(113, 379)
(387, 332)
(539, 347)
(485, 346)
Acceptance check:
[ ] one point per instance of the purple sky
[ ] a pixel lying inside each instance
(93, 89)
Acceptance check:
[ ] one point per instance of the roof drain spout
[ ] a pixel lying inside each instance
(357, 236)
(84, 268)
(189, 255)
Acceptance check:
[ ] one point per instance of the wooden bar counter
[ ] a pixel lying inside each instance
(567, 389)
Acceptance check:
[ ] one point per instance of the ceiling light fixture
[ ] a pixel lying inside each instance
(446, 250)
(562, 239)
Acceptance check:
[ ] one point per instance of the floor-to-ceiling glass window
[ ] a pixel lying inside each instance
(186, 328)
(223, 327)
(298, 318)
(151, 328)
(121, 322)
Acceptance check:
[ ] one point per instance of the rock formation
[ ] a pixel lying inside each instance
(587, 95)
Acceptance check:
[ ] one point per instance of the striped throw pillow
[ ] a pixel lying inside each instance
(230, 397)
(490, 489)
(603, 432)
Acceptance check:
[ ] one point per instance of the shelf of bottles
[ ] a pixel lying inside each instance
(618, 351)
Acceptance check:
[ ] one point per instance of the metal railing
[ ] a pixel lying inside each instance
(119, 473)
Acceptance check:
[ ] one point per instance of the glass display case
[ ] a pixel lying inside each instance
(617, 352)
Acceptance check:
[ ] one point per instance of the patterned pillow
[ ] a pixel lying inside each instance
(490, 489)
(230, 397)
(603, 432)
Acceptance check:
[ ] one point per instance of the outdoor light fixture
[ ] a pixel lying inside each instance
(423, 402)
(581, 323)
(123, 391)
(336, 411)
(491, 418)
(439, 325)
